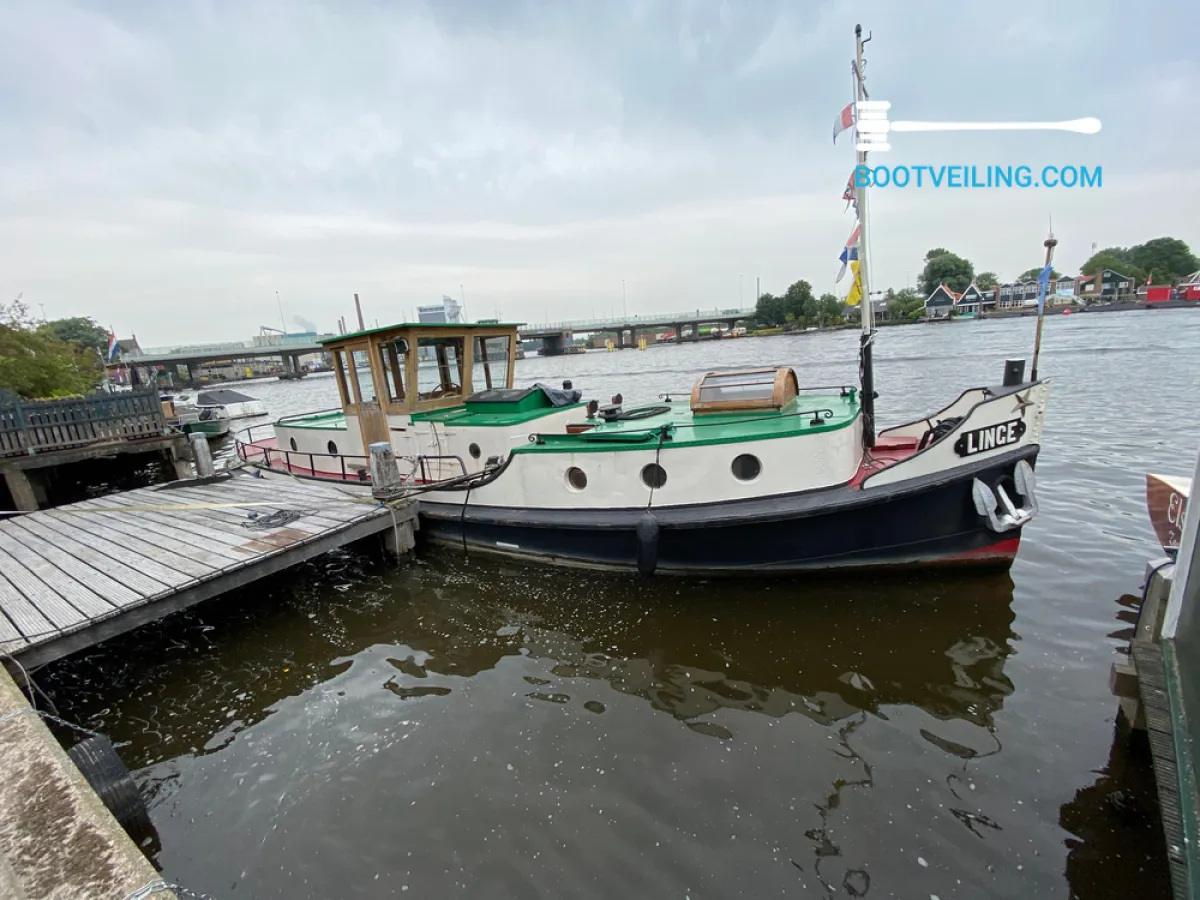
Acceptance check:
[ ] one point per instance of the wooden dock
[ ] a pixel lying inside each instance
(39, 437)
(73, 576)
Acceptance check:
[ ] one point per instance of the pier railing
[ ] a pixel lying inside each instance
(28, 427)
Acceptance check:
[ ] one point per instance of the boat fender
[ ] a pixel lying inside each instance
(98, 762)
(647, 538)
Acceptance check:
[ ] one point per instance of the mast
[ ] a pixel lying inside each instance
(867, 314)
(1050, 243)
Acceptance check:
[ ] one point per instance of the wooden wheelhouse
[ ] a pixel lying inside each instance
(416, 367)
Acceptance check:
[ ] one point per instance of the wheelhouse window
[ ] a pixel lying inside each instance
(339, 368)
(439, 367)
(360, 376)
(391, 359)
(490, 366)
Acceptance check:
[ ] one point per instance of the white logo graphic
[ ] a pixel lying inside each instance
(872, 125)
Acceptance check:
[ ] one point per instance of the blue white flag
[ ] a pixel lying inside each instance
(1043, 286)
(849, 252)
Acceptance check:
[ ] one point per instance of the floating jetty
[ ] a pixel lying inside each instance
(1159, 694)
(73, 576)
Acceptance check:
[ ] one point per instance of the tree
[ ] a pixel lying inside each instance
(1115, 258)
(944, 267)
(903, 304)
(1166, 259)
(799, 302)
(1034, 274)
(829, 309)
(987, 280)
(770, 311)
(78, 330)
(35, 364)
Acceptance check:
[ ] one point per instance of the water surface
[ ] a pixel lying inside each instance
(476, 728)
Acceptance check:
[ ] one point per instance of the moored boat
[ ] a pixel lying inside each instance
(751, 472)
(1166, 501)
(235, 404)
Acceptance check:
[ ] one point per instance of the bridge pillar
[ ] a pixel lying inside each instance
(554, 345)
(678, 333)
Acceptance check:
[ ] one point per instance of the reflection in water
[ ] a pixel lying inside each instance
(315, 650)
(1115, 826)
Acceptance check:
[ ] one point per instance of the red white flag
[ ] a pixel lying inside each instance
(850, 194)
(844, 120)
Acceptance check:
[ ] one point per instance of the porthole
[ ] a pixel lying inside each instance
(576, 478)
(474, 451)
(654, 476)
(292, 441)
(332, 448)
(746, 467)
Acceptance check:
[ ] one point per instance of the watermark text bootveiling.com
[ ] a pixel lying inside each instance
(978, 176)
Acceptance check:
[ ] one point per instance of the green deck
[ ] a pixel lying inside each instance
(335, 421)
(684, 429)
(491, 418)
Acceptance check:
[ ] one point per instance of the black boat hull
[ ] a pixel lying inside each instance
(927, 521)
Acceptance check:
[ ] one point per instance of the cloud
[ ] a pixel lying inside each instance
(210, 153)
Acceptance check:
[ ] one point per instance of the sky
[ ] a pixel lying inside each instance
(181, 170)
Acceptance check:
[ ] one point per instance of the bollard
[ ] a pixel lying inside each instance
(202, 456)
(385, 473)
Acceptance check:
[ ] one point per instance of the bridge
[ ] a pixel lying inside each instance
(556, 336)
(182, 359)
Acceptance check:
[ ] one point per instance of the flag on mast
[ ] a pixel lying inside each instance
(1043, 286)
(112, 346)
(844, 120)
(849, 252)
(856, 291)
(850, 194)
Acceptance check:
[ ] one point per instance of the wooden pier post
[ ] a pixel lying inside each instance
(386, 482)
(21, 488)
(388, 486)
(202, 455)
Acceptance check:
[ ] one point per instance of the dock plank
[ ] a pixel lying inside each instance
(74, 576)
(328, 495)
(39, 595)
(82, 578)
(132, 577)
(330, 504)
(24, 616)
(10, 635)
(120, 548)
(174, 530)
(314, 524)
(231, 535)
(196, 562)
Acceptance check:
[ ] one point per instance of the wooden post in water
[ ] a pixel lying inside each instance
(202, 456)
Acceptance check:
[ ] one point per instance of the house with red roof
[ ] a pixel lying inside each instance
(940, 303)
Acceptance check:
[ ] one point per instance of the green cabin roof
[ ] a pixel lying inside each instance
(417, 326)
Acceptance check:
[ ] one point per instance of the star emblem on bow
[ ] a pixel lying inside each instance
(1023, 401)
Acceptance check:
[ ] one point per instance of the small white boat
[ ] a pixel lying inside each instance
(236, 405)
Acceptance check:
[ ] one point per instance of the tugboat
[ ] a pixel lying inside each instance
(752, 473)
